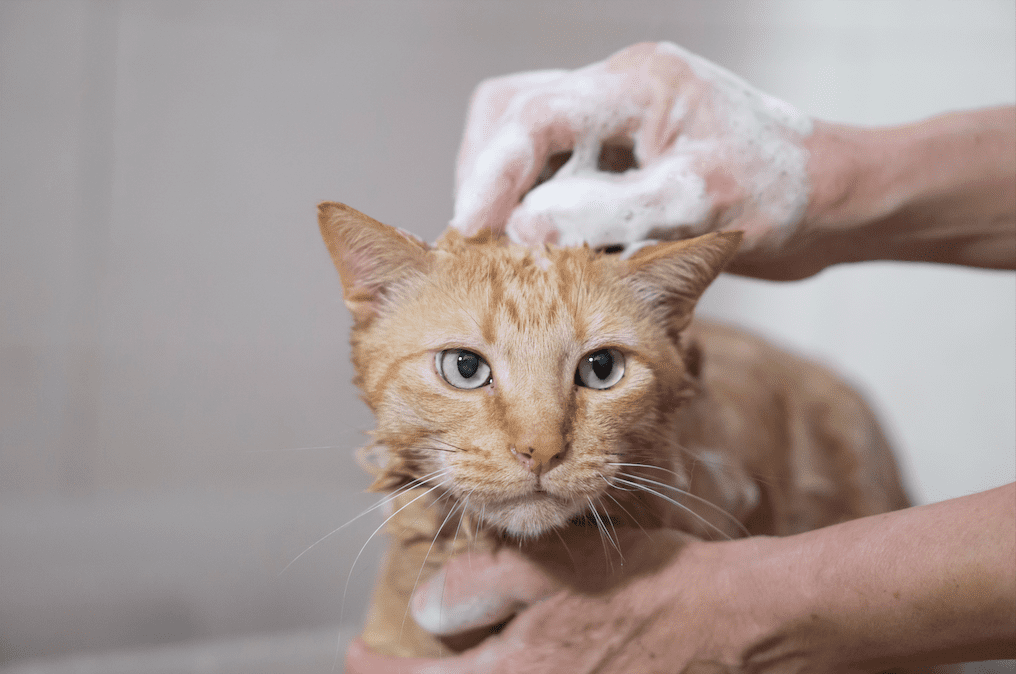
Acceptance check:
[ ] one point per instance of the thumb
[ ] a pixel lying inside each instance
(473, 591)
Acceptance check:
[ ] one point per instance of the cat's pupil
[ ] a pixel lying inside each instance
(468, 363)
(602, 363)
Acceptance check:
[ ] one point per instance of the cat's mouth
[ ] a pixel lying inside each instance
(532, 514)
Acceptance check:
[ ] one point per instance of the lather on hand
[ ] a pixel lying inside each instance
(712, 152)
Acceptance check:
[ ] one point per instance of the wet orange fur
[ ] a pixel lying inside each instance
(778, 443)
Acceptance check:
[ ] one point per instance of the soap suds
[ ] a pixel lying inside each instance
(736, 129)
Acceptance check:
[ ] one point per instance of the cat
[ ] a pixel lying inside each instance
(523, 391)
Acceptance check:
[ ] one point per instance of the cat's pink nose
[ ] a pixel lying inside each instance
(538, 460)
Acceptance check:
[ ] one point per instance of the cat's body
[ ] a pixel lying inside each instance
(548, 388)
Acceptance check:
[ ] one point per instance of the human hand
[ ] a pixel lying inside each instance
(657, 611)
(711, 153)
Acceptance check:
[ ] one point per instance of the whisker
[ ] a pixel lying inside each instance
(603, 534)
(438, 449)
(637, 523)
(701, 500)
(465, 504)
(384, 501)
(679, 505)
(570, 556)
(616, 537)
(462, 515)
(423, 566)
(648, 465)
(476, 532)
(349, 575)
(614, 486)
(696, 459)
(445, 442)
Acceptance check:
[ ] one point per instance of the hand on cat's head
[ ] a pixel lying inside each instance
(651, 143)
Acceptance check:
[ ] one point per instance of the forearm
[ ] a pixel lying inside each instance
(941, 190)
(929, 584)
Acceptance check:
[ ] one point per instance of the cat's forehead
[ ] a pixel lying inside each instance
(519, 293)
(542, 273)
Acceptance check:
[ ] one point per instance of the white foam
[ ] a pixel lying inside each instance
(586, 205)
(754, 136)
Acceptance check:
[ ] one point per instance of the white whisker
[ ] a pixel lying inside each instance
(701, 500)
(614, 486)
(423, 566)
(384, 501)
(637, 523)
(617, 538)
(679, 505)
(566, 549)
(649, 465)
(603, 534)
(349, 575)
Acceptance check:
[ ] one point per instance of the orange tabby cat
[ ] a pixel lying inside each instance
(520, 391)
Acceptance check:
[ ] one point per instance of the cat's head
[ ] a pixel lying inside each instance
(518, 379)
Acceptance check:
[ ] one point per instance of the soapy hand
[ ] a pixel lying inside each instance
(710, 153)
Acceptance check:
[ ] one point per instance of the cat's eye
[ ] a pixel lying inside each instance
(462, 368)
(600, 369)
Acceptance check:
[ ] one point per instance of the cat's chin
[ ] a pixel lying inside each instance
(530, 517)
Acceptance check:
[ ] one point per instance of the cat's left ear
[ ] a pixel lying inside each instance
(672, 276)
(373, 259)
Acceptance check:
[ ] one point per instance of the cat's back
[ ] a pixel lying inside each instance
(810, 441)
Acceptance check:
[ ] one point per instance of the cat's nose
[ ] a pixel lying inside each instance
(540, 459)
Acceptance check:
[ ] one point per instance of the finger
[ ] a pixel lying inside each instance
(667, 199)
(486, 106)
(576, 111)
(360, 659)
(479, 591)
(501, 173)
(504, 147)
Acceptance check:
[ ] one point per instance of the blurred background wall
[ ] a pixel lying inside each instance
(175, 405)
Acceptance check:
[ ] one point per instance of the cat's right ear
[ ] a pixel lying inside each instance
(373, 259)
(671, 276)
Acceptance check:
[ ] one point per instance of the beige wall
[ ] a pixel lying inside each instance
(169, 316)
(170, 322)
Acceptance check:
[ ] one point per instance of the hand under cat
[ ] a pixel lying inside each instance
(711, 152)
(658, 610)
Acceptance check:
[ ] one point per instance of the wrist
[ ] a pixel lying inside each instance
(752, 591)
(939, 190)
(851, 191)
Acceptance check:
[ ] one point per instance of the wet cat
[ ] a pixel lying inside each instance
(522, 391)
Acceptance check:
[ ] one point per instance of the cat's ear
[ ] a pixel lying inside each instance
(373, 259)
(672, 276)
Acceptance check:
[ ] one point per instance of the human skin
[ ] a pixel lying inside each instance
(940, 190)
(721, 155)
(927, 584)
(908, 588)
